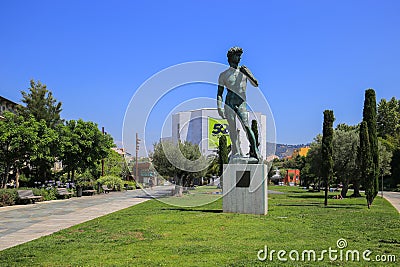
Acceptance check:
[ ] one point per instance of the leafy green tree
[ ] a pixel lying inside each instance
(213, 168)
(388, 123)
(345, 142)
(312, 168)
(159, 158)
(388, 117)
(194, 156)
(289, 163)
(392, 143)
(114, 165)
(17, 139)
(395, 168)
(83, 146)
(327, 151)
(45, 151)
(168, 161)
(385, 158)
(369, 116)
(41, 104)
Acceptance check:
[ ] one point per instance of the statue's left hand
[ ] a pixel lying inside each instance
(248, 73)
(244, 69)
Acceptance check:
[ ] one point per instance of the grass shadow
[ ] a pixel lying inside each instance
(306, 196)
(197, 210)
(350, 206)
(299, 205)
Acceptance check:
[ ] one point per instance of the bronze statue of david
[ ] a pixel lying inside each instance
(234, 79)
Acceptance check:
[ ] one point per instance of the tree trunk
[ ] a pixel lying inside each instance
(6, 175)
(178, 191)
(356, 186)
(73, 176)
(16, 177)
(2, 184)
(326, 194)
(345, 188)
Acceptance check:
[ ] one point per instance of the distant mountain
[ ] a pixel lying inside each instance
(283, 150)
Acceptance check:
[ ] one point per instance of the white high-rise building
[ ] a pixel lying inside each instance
(203, 126)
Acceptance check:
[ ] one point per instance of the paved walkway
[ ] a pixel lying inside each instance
(393, 198)
(23, 223)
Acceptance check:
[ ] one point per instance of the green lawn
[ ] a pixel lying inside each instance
(156, 234)
(203, 195)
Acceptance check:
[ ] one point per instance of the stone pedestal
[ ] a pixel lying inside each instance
(245, 188)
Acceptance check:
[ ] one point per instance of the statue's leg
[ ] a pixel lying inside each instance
(233, 134)
(242, 115)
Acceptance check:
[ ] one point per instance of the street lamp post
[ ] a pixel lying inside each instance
(102, 161)
(137, 151)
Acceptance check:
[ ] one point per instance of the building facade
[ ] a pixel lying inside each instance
(6, 105)
(204, 126)
(292, 177)
(302, 152)
(147, 174)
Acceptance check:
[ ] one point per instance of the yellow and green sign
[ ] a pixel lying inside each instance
(216, 128)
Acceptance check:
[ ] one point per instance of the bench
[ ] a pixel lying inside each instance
(28, 195)
(105, 189)
(63, 192)
(89, 192)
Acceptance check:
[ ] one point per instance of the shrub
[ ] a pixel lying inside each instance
(8, 197)
(112, 182)
(24, 180)
(397, 189)
(90, 184)
(46, 193)
(85, 180)
(129, 185)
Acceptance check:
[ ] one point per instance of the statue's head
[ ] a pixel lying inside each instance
(234, 55)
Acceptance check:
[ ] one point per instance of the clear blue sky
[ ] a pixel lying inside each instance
(307, 55)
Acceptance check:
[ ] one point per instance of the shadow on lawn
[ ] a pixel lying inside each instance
(330, 206)
(345, 206)
(307, 196)
(299, 205)
(187, 209)
(153, 196)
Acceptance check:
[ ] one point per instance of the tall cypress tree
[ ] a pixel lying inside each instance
(327, 150)
(222, 153)
(369, 116)
(254, 128)
(366, 163)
